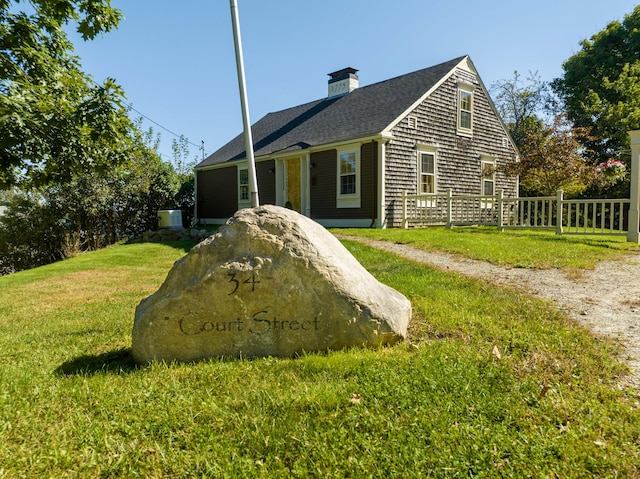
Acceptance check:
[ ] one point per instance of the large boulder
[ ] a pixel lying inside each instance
(271, 282)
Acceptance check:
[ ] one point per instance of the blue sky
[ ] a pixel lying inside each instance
(176, 63)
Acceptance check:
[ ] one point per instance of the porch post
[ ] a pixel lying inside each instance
(499, 203)
(634, 209)
(449, 207)
(381, 206)
(307, 185)
(405, 221)
(559, 200)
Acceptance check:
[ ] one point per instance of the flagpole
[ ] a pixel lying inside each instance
(248, 140)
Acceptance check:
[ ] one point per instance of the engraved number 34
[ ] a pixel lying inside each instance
(236, 282)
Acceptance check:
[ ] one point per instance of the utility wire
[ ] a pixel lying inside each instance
(130, 105)
(164, 128)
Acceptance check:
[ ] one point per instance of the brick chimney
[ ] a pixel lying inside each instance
(342, 82)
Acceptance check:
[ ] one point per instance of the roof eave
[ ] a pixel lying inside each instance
(384, 136)
(415, 104)
(495, 110)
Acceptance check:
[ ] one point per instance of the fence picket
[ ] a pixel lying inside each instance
(592, 216)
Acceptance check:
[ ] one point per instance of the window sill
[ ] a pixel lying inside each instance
(348, 202)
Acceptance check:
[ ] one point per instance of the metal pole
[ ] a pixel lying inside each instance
(248, 140)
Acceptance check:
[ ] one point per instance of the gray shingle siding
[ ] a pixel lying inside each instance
(457, 157)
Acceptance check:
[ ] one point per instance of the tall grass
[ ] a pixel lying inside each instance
(491, 384)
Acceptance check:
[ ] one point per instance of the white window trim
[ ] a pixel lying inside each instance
(348, 200)
(433, 151)
(487, 161)
(464, 88)
(246, 203)
(412, 122)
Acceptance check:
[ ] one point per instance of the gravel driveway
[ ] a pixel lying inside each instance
(606, 300)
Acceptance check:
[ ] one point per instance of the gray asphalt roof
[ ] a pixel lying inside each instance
(363, 112)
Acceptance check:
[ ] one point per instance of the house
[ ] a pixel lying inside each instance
(346, 159)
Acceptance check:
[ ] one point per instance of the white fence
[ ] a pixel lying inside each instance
(592, 216)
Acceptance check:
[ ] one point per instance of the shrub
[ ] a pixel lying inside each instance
(88, 213)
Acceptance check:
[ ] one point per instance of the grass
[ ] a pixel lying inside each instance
(491, 384)
(519, 248)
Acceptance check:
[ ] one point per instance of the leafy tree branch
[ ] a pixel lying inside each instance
(55, 122)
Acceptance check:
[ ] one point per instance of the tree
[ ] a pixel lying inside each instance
(185, 197)
(552, 155)
(55, 122)
(26, 234)
(89, 212)
(522, 106)
(6, 196)
(552, 159)
(601, 86)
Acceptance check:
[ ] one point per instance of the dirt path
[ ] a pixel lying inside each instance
(606, 300)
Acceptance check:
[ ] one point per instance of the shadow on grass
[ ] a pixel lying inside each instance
(119, 361)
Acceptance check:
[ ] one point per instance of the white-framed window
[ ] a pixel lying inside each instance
(348, 186)
(465, 109)
(488, 179)
(243, 188)
(427, 170)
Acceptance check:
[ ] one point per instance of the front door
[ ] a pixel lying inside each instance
(293, 184)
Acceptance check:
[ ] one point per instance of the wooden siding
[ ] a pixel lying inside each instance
(218, 189)
(218, 192)
(324, 185)
(458, 157)
(266, 173)
(369, 179)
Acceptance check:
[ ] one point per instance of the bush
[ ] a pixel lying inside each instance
(89, 213)
(27, 234)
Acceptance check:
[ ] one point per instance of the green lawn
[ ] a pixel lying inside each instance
(520, 248)
(491, 384)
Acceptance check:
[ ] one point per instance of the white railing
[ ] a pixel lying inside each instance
(595, 216)
(529, 212)
(449, 210)
(591, 216)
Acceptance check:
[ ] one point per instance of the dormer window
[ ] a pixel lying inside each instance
(465, 109)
